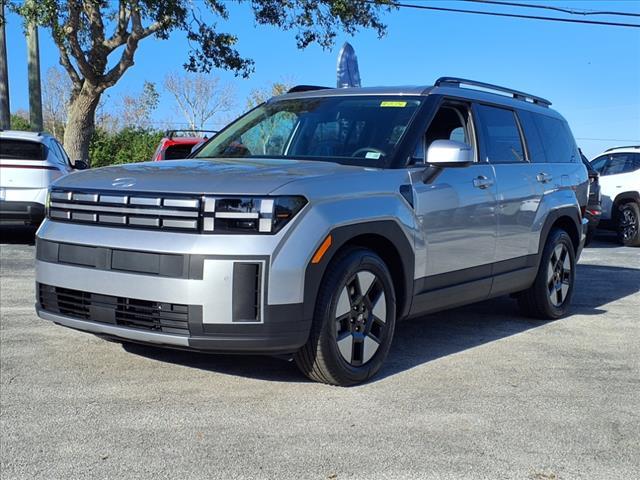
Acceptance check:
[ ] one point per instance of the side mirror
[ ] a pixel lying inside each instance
(80, 165)
(448, 153)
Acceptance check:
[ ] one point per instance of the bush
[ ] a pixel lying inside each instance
(125, 146)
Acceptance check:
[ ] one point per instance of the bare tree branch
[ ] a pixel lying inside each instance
(199, 97)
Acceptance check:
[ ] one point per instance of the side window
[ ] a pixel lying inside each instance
(533, 140)
(55, 155)
(557, 139)
(451, 122)
(500, 134)
(617, 163)
(633, 163)
(63, 158)
(599, 164)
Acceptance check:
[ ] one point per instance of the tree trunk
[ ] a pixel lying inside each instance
(81, 123)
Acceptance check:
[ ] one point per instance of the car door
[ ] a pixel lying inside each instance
(519, 184)
(456, 209)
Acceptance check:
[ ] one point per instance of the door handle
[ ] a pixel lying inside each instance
(482, 182)
(543, 177)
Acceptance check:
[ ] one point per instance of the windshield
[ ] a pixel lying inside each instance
(361, 131)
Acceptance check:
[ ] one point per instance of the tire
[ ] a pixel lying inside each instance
(628, 224)
(589, 237)
(353, 323)
(550, 295)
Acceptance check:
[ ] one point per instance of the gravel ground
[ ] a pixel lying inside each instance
(477, 392)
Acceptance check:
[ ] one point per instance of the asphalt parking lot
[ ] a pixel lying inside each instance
(477, 392)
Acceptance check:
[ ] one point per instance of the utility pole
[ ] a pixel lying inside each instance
(5, 116)
(35, 96)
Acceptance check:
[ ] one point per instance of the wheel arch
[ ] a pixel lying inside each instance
(567, 219)
(623, 198)
(387, 240)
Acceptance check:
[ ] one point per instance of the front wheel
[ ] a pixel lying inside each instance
(550, 295)
(353, 323)
(629, 224)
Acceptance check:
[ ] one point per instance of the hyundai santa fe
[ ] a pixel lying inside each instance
(315, 222)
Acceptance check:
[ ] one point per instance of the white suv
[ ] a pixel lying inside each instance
(619, 170)
(29, 162)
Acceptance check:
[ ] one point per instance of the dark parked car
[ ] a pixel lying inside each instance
(593, 212)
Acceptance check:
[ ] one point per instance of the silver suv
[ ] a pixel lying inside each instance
(314, 222)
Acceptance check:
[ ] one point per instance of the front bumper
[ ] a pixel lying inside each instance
(172, 290)
(18, 213)
(282, 336)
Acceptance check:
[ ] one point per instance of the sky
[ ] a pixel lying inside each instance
(590, 73)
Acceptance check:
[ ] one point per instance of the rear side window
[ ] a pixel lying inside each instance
(21, 150)
(533, 140)
(501, 135)
(177, 152)
(558, 142)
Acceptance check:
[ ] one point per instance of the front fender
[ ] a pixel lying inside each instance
(295, 279)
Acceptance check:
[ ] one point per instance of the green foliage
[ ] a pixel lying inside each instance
(18, 122)
(125, 146)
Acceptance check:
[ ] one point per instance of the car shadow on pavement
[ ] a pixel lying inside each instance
(17, 234)
(605, 239)
(422, 340)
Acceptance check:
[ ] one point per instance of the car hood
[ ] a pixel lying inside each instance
(220, 176)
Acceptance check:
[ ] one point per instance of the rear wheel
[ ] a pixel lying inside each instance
(550, 295)
(353, 323)
(628, 226)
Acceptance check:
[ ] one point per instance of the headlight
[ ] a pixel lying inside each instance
(250, 214)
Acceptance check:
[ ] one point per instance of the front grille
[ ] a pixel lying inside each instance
(125, 312)
(143, 210)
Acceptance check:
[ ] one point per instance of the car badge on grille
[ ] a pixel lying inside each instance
(124, 182)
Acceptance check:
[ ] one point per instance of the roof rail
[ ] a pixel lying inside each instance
(171, 133)
(306, 88)
(625, 146)
(458, 82)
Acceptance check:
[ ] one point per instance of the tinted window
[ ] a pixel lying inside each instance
(177, 152)
(600, 163)
(21, 150)
(532, 136)
(502, 143)
(617, 163)
(558, 142)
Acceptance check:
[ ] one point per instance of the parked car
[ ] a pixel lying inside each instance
(619, 170)
(593, 212)
(314, 222)
(29, 162)
(178, 144)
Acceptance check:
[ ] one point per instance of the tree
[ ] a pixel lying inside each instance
(199, 97)
(20, 120)
(56, 93)
(89, 33)
(137, 110)
(261, 95)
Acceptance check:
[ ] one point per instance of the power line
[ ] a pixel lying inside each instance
(511, 15)
(557, 9)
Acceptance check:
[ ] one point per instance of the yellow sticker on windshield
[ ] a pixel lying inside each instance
(393, 104)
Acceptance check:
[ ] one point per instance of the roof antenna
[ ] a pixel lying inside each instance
(347, 69)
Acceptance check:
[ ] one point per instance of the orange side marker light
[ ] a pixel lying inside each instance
(322, 250)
